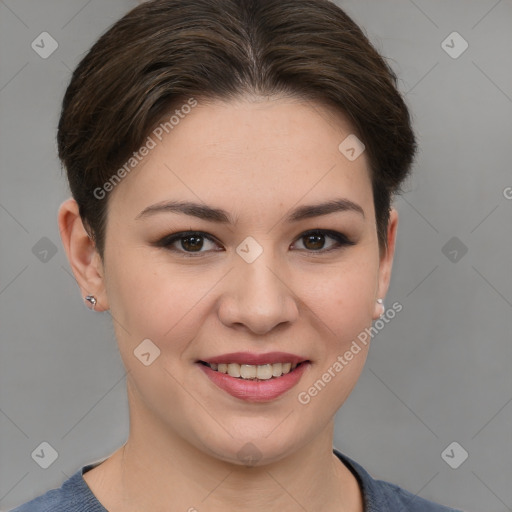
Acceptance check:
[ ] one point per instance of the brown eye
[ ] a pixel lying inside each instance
(192, 243)
(188, 243)
(314, 241)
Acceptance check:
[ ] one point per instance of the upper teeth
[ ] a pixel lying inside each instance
(252, 371)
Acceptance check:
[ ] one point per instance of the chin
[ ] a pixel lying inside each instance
(250, 447)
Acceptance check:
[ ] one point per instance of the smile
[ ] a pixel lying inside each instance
(252, 371)
(254, 382)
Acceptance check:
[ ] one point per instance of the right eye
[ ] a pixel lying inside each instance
(190, 242)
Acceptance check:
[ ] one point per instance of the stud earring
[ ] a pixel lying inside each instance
(90, 302)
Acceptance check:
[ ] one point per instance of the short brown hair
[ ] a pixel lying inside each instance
(163, 52)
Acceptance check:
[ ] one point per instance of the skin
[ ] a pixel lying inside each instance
(258, 159)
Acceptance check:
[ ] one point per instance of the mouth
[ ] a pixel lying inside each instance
(255, 377)
(254, 372)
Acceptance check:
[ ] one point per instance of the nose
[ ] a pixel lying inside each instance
(258, 296)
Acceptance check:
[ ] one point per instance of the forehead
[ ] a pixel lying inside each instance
(246, 152)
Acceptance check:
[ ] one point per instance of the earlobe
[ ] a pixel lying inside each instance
(379, 309)
(82, 254)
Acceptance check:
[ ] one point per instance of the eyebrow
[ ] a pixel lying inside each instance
(212, 214)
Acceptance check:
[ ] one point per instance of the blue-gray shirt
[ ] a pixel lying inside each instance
(75, 495)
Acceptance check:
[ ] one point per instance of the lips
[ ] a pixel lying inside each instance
(255, 377)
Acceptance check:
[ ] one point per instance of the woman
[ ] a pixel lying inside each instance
(232, 165)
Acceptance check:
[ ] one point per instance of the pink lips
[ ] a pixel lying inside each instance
(254, 390)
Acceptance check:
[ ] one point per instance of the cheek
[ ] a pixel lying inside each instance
(342, 309)
(343, 296)
(152, 300)
(160, 304)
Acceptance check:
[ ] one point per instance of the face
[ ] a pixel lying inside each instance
(261, 279)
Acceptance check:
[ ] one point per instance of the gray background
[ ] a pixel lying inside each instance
(438, 373)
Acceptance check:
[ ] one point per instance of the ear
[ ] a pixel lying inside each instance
(386, 262)
(82, 254)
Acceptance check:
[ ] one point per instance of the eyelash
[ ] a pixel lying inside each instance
(166, 242)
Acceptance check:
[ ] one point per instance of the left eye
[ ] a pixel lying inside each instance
(316, 238)
(192, 242)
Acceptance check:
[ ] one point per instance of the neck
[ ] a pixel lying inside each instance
(156, 468)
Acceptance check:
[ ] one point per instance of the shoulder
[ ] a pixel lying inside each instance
(399, 499)
(73, 496)
(381, 496)
(53, 500)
